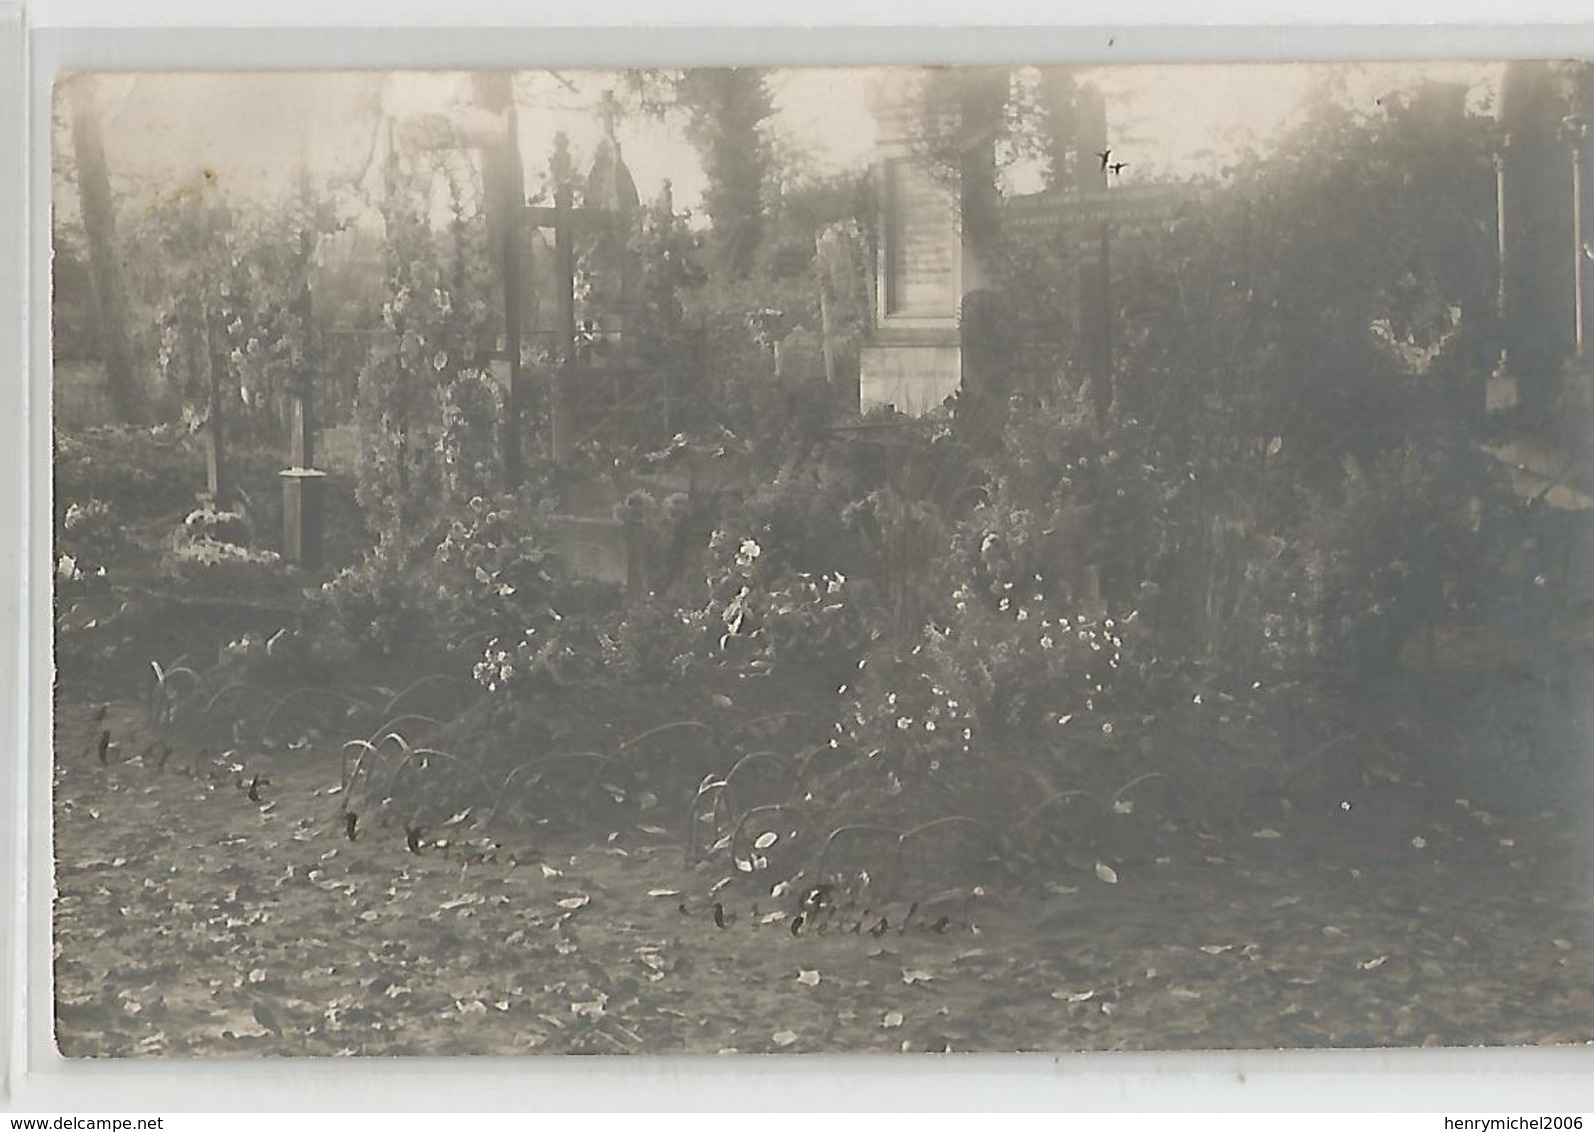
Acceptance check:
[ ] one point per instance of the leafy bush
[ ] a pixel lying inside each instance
(377, 607)
(90, 529)
(491, 571)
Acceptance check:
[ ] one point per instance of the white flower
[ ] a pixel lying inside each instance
(1046, 641)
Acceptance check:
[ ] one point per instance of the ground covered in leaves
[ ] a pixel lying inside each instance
(201, 911)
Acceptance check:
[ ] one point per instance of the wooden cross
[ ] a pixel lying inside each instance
(565, 219)
(494, 131)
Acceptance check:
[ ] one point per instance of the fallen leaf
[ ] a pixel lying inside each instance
(1373, 964)
(1073, 996)
(782, 1038)
(911, 976)
(1105, 874)
(592, 1009)
(550, 871)
(664, 892)
(1419, 842)
(808, 978)
(1217, 948)
(1267, 834)
(574, 902)
(766, 839)
(892, 1020)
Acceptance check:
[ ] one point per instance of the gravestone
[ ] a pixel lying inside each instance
(917, 353)
(913, 358)
(1537, 166)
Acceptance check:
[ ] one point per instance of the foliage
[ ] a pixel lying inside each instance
(765, 618)
(491, 570)
(726, 107)
(377, 607)
(209, 550)
(228, 289)
(426, 406)
(89, 528)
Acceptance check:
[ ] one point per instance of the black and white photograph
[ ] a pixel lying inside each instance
(759, 559)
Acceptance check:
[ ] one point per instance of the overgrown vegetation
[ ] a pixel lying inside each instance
(1014, 623)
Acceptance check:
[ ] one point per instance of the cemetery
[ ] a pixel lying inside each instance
(505, 605)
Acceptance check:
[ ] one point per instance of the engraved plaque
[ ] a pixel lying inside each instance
(921, 244)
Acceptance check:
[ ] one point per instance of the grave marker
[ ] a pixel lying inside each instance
(915, 357)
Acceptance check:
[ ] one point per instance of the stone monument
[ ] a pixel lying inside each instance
(913, 357)
(926, 341)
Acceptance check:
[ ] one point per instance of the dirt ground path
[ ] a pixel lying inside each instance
(192, 920)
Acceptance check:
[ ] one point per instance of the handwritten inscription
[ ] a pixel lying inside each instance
(921, 244)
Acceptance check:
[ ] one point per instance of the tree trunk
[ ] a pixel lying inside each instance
(99, 224)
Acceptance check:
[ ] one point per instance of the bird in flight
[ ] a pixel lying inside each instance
(1105, 156)
(1117, 167)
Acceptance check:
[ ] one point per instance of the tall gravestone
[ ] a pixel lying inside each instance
(1543, 191)
(913, 358)
(928, 339)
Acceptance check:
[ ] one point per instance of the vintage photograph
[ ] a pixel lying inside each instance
(783, 560)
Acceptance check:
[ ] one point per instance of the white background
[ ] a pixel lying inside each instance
(102, 34)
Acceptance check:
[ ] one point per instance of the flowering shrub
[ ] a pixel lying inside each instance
(763, 617)
(551, 653)
(209, 549)
(425, 405)
(375, 606)
(652, 641)
(210, 563)
(223, 525)
(87, 538)
(72, 575)
(491, 571)
(90, 529)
